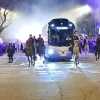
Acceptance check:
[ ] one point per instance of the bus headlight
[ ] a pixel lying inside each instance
(50, 51)
(52, 25)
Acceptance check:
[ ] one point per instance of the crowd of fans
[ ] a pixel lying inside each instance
(85, 45)
(31, 48)
(35, 46)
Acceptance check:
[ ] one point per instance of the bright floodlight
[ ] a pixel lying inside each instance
(24, 28)
(75, 13)
(86, 9)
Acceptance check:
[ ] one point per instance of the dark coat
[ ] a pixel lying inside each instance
(10, 51)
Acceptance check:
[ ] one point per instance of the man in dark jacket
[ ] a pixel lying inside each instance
(40, 46)
(30, 50)
(10, 52)
(97, 52)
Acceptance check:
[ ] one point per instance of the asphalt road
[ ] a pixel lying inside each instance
(49, 81)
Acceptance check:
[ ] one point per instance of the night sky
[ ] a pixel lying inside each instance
(29, 5)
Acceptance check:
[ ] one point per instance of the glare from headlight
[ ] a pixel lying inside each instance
(70, 25)
(50, 51)
(52, 25)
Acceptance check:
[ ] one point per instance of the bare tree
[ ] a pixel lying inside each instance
(3, 19)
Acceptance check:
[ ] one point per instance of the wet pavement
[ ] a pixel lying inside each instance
(50, 81)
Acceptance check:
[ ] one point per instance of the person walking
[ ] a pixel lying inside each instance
(34, 48)
(21, 47)
(30, 50)
(97, 51)
(10, 52)
(40, 46)
(76, 52)
(85, 46)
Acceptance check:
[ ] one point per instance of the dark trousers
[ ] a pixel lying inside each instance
(97, 54)
(10, 59)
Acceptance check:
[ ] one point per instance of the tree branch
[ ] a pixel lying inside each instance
(5, 13)
(3, 18)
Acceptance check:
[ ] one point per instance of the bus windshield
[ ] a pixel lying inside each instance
(59, 39)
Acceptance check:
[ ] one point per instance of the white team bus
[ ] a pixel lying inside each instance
(60, 32)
